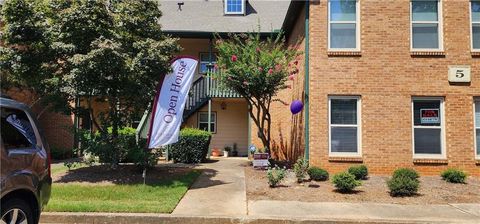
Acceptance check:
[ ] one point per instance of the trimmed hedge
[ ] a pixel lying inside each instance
(360, 172)
(345, 182)
(453, 175)
(403, 186)
(405, 172)
(317, 174)
(404, 182)
(192, 146)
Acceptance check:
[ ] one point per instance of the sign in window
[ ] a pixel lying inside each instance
(427, 127)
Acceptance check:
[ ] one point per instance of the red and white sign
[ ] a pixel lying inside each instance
(170, 101)
(430, 116)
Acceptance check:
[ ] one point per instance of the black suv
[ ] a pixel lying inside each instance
(25, 165)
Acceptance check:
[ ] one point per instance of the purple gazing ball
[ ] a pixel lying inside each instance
(296, 106)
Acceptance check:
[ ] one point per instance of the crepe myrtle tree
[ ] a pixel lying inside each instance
(257, 69)
(111, 51)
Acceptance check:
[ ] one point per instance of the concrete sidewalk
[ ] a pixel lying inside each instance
(219, 191)
(454, 213)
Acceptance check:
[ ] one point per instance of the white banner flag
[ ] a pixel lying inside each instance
(169, 103)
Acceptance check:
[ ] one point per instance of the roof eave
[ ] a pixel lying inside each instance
(209, 34)
(292, 13)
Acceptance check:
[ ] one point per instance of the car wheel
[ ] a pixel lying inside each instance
(16, 211)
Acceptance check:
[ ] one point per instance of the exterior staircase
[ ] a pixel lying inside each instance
(202, 90)
(197, 97)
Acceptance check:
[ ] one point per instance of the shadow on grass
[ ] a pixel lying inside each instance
(132, 175)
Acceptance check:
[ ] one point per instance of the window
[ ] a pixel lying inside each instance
(205, 60)
(17, 132)
(344, 126)
(475, 17)
(343, 25)
(426, 27)
(477, 127)
(234, 6)
(203, 121)
(428, 134)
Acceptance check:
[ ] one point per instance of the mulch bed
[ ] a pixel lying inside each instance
(123, 174)
(433, 190)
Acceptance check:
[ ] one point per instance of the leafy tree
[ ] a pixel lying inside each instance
(112, 51)
(257, 70)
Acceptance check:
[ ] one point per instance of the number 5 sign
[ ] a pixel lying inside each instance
(459, 73)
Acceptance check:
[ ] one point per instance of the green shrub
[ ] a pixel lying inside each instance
(300, 168)
(360, 172)
(121, 149)
(275, 175)
(192, 146)
(403, 186)
(454, 175)
(406, 172)
(142, 156)
(317, 174)
(345, 182)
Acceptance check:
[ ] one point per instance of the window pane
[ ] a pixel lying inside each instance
(234, 5)
(203, 117)
(428, 141)
(203, 67)
(427, 113)
(476, 11)
(425, 10)
(343, 35)
(205, 57)
(478, 142)
(203, 126)
(476, 36)
(343, 10)
(17, 132)
(425, 36)
(477, 114)
(344, 139)
(344, 111)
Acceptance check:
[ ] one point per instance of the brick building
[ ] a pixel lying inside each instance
(378, 89)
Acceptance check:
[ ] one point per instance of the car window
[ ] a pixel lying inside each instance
(16, 130)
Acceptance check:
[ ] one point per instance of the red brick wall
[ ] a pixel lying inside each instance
(386, 76)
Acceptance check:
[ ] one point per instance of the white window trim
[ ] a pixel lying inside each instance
(358, 126)
(244, 2)
(212, 121)
(357, 29)
(441, 127)
(471, 27)
(440, 28)
(475, 102)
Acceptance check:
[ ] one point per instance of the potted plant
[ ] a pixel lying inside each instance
(215, 152)
(234, 150)
(226, 150)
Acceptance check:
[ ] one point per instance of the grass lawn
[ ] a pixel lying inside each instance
(158, 197)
